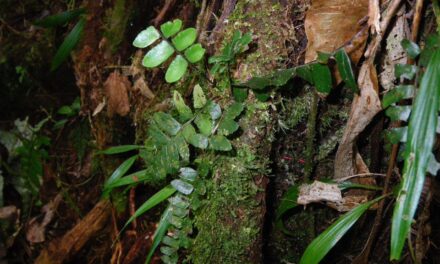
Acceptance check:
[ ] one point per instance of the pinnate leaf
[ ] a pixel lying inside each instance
(157, 55)
(185, 39)
(195, 53)
(176, 69)
(219, 142)
(170, 28)
(146, 37)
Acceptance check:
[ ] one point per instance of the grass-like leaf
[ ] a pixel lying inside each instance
(68, 44)
(118, 173)
(161, 230)
(420, 141)
(119, 149)
(154, 200)
(59, 19)
(321, 245)
(288, 201)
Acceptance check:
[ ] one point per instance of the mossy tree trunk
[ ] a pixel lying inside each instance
(230, 222)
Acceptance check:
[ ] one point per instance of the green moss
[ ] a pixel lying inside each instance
(116, 23)
(227, 223)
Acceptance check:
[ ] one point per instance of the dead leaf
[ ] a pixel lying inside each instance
(9, 212)
(319, 192)
(99, 108)
(141, 85)
(329, 24)
(116, 90)
(35, 229)
(364, 107)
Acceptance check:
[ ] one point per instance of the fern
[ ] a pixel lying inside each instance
(173, 40)
(204, 127)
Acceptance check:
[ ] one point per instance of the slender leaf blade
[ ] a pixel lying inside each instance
(321, 245)
(154, 200)
(119, 172)
(60, 18)
(161, 230)
(119, 149)
(421, 138)
(68, 44)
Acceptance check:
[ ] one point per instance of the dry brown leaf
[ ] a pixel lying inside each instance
(116, 90)
(329, 24)
(35, 229)
(364, 107)
(8, 212)
(319, 192)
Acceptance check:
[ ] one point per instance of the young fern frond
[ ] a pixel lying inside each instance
(172, 41)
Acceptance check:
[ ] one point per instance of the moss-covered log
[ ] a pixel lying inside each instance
(230, 223)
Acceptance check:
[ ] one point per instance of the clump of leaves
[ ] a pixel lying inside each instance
(419, 136)
(71, 39)
(68, 111)
(167, 151)
(26, 147)
(316, 73)
(172, 40)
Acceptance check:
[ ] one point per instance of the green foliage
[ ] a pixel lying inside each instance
(182, 42)
(59, 19)
(321, 245)
(68, 111)
(419, 143)
(27, 148)
(167, 152)
(316, 73)
(235, 46)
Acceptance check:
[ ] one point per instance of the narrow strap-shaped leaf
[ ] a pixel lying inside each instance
(59, 19)
(160, 232)
(398, 112)
(68, 44)
(421, 137)
(321, 245)
(154, 200)
(170, 28)
(133, 178)
(185, 39)
(399, 93)
(345, 69)
(158, 55)
(119, 172)
(146, 37)
(350, 185)
(176, 70)
(119, 149)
